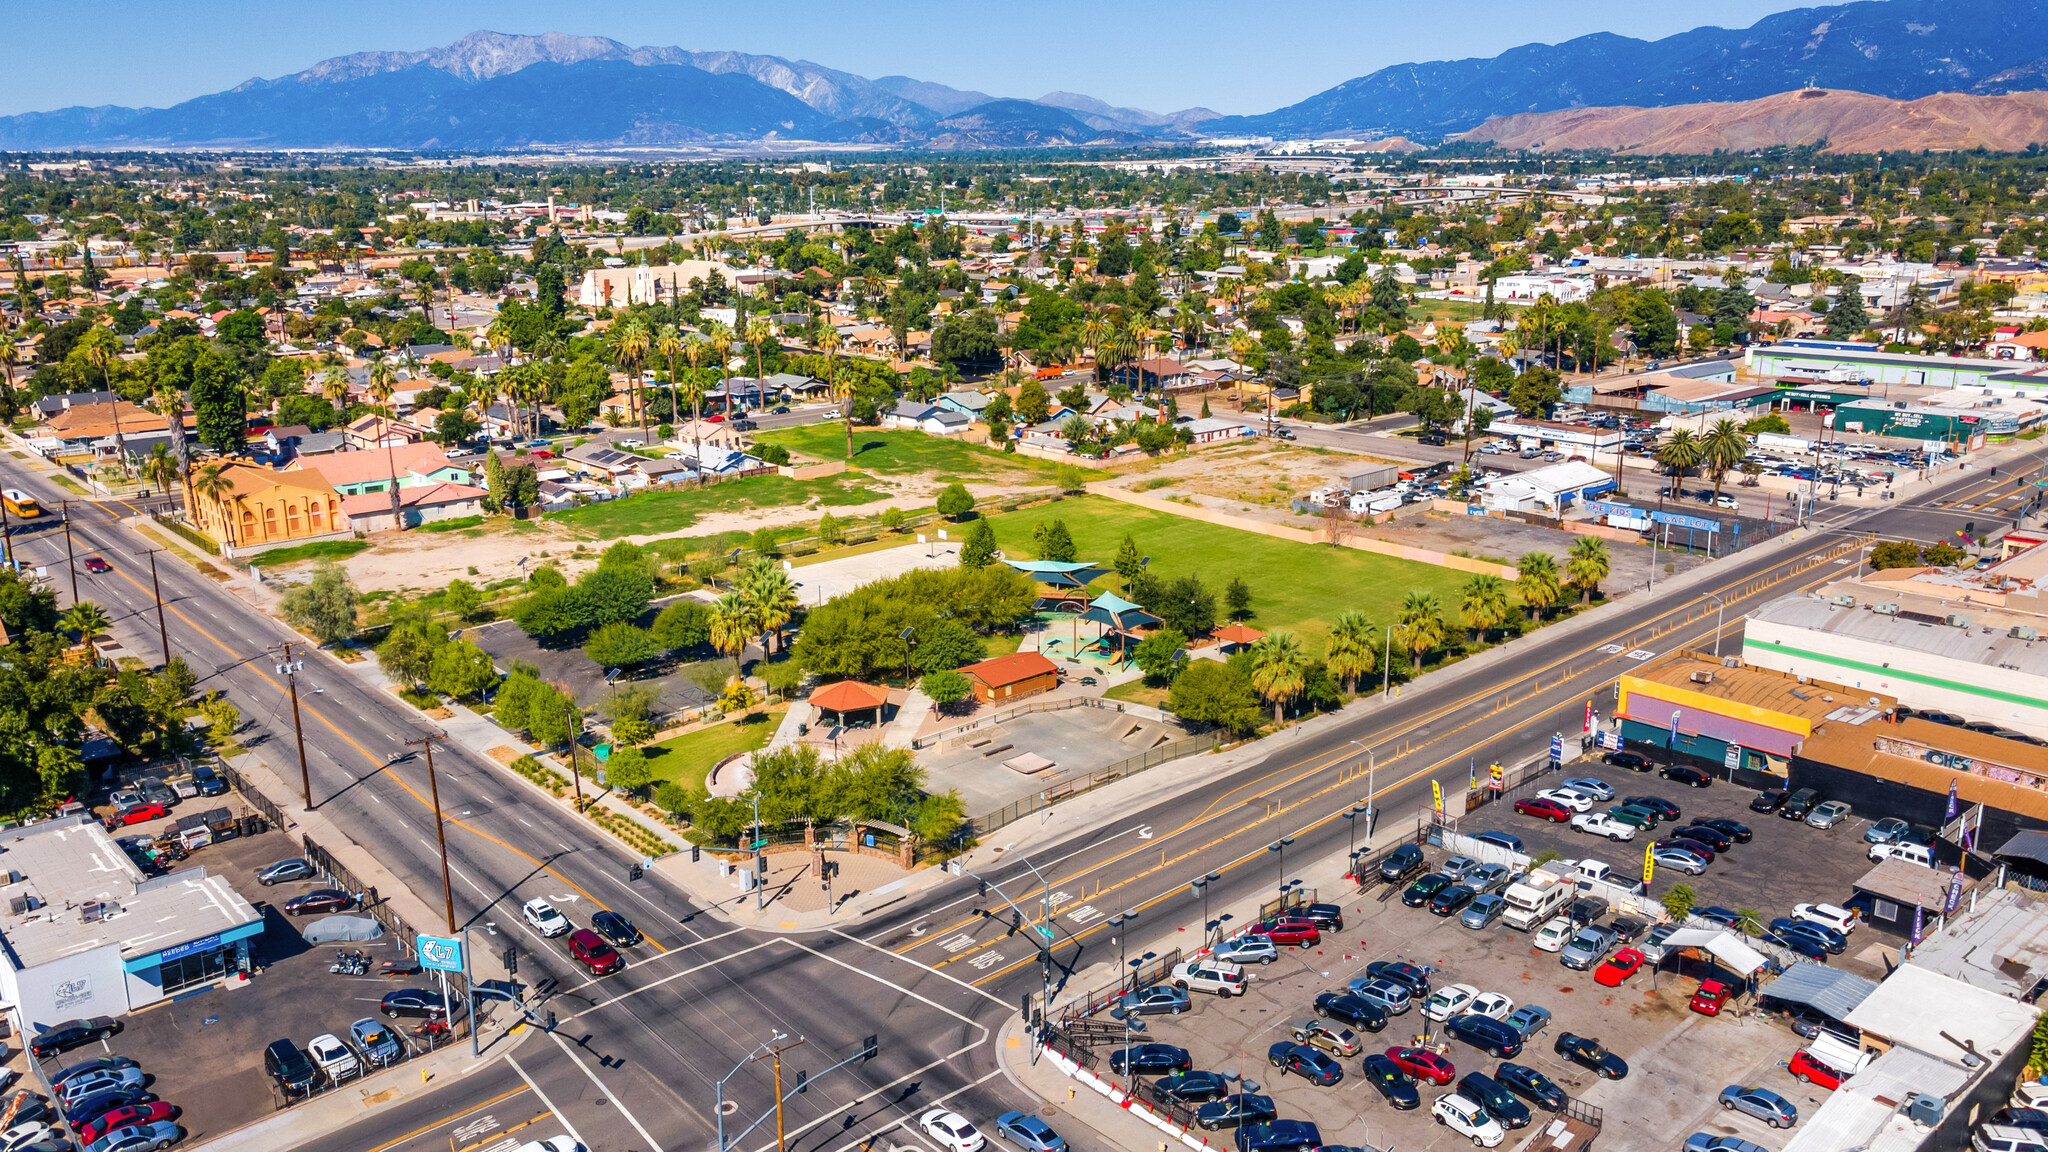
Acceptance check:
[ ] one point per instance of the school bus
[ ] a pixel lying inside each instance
(20, 504)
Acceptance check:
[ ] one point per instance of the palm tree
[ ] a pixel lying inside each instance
(759, 334)
(1420, 627)
(103, 350)
(1677, 454)
(1242, 345)
(1722, 449)
(1536, 581)
(10, 355)
(718, 337)
(160, 468)
(1350, 651)
(1485, 604)
(170, 401)
(1588, 565)
(383, 382)
(630, 340)
(769, 593)
(732, 625)
(211, 484)
(668, 342)
(87, 619)
(693, 351)
(1095, 332)
(334, 386)
(1279, 670)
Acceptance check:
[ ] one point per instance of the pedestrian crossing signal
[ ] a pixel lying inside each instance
(869, 1047)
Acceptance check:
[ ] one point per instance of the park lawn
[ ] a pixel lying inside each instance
(1298, 587)
(686, 759)
(1139, 692)
(656, 513)
(318, 550)
(898, 452)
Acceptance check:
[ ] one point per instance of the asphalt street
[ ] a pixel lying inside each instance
(636, 1058)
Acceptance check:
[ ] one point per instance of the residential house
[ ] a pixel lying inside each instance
(929, 418)
(422, 504)
(720, 436)
(972, 405)
(1213, 429)
(266, 509)
(81, 425)
(414, 466)
(377, 432)
(595, 459)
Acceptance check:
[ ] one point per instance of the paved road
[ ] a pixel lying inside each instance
(635, 1058)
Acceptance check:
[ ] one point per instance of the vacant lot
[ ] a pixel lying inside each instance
(658, 513)
(903, 453)
(1301, 587)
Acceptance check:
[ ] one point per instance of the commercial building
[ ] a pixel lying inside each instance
(1551, 434)
(1961, 418)
(85, 934)
(1819, 360)
(264, 509)
(1548, 490)
(1742, 719)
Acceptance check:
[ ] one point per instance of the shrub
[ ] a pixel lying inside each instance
(1680, 900)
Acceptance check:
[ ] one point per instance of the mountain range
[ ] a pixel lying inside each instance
(492, 91)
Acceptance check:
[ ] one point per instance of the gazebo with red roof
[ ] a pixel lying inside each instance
(1234, 636)
(850, 696)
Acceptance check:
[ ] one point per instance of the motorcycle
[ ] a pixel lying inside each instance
(350, 962)
(433, 1031)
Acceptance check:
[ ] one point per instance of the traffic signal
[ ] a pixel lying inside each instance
(696, 853)
(1027, 1005)
(634, 872)
(981, 887)
(511, 960)
(803, 1081)
(551, 1019)
(869, 1047)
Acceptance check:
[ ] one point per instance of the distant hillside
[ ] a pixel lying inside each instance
(1848, 121)
(1904, 49)
(1018, 124)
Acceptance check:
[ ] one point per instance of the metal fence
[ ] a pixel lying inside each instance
(1024, 709)
(1058, 1040)
(1583, 1112)
(1297, 898)
(1063, 789)
(412, 1044)
(1100, 999)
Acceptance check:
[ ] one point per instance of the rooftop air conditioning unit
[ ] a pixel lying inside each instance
(2022, 632)
(1703, 676)
(1925, 1109)
(1731, 661)
(1889, 608)
(1956, 620)
(1842, 600)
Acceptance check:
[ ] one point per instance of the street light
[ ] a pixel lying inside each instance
(1721, 605)
(1201, 888)
(1280, 846)
(744, 1061)
(909, 637)
(1351, 816)
(1133, 965)
(1372, 768)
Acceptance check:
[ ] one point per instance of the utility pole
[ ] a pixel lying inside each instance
(289, 669)
(575, 730)
(69, 561)
(775, 1054)
(440, 828)
(162, 634)
(6, 534)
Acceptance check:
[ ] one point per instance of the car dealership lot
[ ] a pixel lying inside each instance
(1678, 1057)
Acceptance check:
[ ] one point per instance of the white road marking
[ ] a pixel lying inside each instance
(1084, 914)
(573, 1134)
(609, 1094)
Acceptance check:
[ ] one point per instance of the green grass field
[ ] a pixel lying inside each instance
(1299, 587)
(687, 758)
(656, 513)
(319, 550)
(895, 452)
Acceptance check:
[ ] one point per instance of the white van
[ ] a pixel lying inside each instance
(1919, 854)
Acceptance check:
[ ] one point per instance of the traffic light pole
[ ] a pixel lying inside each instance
(1040, 937)
(803, 1082)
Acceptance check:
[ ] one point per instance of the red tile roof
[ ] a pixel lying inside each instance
(849, 696)
(1015, 668)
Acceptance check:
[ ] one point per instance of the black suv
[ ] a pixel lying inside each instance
(284, 1063)
(1328, 917)
(1799, 804)
(1406, 861)
(1487, 1092)
(1768, 800)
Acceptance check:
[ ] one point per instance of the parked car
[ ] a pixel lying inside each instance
(1708, 1142)
(1159, 999)
(1733, 829)
(544, 918)
(319, 900)
(1213, 976)
(1332, 1038)
(1827, 814)
(1529, 1019)
(1805, 946)
(137, 1138)
(1668, 854)
(1391, 996)
(1151, 1058)
(286, 870)
(1193, 1087)
(1491, 1036)
(1505, 840)
(1248, 949)
(1769, 800)
(1402, 863)
(1400, 971)
(1235, 1110)
(1449, 1000)
(1725, 917)
(1531, 1085)
(1835, 942)
(1806, 1069)
(1688, 776)
(1592, 786)
(1483, 910)
(1451, 900)
(1840, 919)
(1544, 809)
(1586, 947)
(1494, 1005)
(123, 1117)
(1391, 1082)
(1279, 1135)
(1664, 809)
(1422, 1064)
(375, 1042)
(100, 1103)
(1570, 798)
(1625, 963)
(72, 1034)
(141, 813)
(1468, 1118)
(951, 1131)
(1490, 1094)
(1886, 830)
(1029, 1133)
(413, 1002)
(1705, 834)
(1708, 998)
(1587, 1053)
(1635, 815)
(1800, 804)
(1552, 935)
(104, 1080)
(1603, 824)
(1352, 1009)
(336, 1061)
(1457, 866)
(1318, 1068)
(1291, 930)
(1328, 917)
(1633, 761)
(285, 1064)
(1424, 889)
(95, 1064)
(1761, 1103)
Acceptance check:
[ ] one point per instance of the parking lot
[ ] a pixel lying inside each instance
(1679, 1060)
(1787, 863)
(204, 1050)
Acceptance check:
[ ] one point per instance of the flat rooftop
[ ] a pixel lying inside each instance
(1813, 701)
(1920, 625)
(72, 868)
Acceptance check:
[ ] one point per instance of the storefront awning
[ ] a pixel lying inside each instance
(1644, 708)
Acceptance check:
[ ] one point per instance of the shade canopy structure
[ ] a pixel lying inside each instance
(850, 696)
(1725, 946)
(1237, 636)
(1060, 573)
(1118, 613)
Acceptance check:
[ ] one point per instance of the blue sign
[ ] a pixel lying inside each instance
(1604, 508)
(203, 944)
(1681, 520)
(1556, 751)
(440, 953)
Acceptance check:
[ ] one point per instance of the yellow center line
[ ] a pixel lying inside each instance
(382, 766)
(1167, 864)
(1325, 760)
(449, 1119)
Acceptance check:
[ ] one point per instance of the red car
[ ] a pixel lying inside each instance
(588, 947)
(1620, 966)
(543, 453)
(1806, 1069)
(715, 418)
(1291, 931)
(95, 564)
(124, 1116)
(141, 813)
(1708, 1000)
(1544, 809)
(1422, 1064)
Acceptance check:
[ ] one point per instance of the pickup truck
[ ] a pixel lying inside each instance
(1601, 824)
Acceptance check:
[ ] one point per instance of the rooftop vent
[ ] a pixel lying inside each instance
(2022, 632)
(1889, 608)
(1956, 620)
(1703, 676)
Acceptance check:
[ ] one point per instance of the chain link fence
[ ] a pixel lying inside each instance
(1064, 789)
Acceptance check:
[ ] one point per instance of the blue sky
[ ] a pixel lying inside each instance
(1157, 54)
